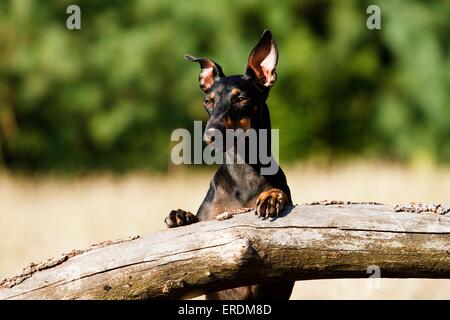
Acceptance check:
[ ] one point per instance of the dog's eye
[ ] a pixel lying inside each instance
(241, 99)
(208, 103)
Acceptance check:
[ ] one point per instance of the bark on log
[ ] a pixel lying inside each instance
(310, 242)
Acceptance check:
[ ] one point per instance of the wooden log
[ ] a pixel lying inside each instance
(316, 241)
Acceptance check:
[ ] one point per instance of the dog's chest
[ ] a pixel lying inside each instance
(239, 188)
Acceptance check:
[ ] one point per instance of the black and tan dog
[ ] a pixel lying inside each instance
(240, 102)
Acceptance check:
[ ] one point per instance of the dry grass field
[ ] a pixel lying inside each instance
(42, 217)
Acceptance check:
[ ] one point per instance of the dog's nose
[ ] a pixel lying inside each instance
(209, 135)
(207, 139)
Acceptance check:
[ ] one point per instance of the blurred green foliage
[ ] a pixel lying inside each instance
(108, 96)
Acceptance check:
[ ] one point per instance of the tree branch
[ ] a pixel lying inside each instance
(317, 241)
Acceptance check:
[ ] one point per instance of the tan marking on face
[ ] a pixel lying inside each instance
(212, 95)
(245, 123)
(228, 123)
(235, 92)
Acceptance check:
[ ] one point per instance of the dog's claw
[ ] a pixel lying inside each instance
(279, 204)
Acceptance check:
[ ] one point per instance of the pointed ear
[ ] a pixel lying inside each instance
(263, 60)
(210, 72)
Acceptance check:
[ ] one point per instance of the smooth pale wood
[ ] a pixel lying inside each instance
(310, 242)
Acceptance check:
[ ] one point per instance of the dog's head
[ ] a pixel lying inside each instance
(234, 102)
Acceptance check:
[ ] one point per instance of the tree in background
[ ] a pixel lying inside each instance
(108, 96)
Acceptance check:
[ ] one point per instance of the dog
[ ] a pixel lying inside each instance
(239, 102)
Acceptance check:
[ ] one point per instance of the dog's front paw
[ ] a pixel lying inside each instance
(179, 217)
(270, 203)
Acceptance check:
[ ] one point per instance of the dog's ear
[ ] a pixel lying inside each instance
(263, 60)
(210, 72)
